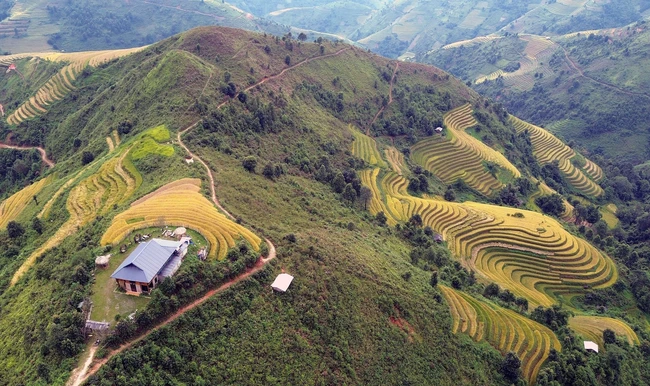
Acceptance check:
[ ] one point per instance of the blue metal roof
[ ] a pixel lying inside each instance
(146, 260)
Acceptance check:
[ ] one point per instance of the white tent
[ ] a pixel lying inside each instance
(589, 345)
(282, 282)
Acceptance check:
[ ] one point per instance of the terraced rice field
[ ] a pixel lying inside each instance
(530, 254)
(463, 156)
(471, 42)
(395, 159)
(114, 183)
(181, 204)
(13, 206)
(365, 148)
(502, 328)
(59, 85)
(547, 148)
(592, 327)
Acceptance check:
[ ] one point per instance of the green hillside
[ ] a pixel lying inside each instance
(322, 159)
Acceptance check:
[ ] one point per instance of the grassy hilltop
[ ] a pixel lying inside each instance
(407, 207)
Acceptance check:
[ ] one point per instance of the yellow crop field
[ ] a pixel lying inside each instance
(592, 327)
(526, 252)
(95, 195)
(547, 149)
(502, 328)
(59, 85)
(365, 148)
(395, 159)
(181, 204)
(13, 206)
(463, 156)
(471, 42)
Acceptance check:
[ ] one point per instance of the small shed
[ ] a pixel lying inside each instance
(282, 282)
(438, 238)
(439, 129)
(102, 261)
(589, 345)
(189, 160)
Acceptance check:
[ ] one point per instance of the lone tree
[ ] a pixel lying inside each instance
(15, 230)
(287, 60)
(250, 163)
(302, 37)
(365, 195)
(434, 279)
(511, 367)
(609, 336)
(349, 194)
(87, 157)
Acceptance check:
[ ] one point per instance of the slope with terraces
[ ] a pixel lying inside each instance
(526, 252)
(547, 148)
(60, 84)
(502, 328)
(462, 156)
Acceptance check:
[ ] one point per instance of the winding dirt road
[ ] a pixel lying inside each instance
(609, 85)
(390, 99)
(79, 376)
(44, 157)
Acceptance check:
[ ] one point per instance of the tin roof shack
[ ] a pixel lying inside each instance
(149, 263)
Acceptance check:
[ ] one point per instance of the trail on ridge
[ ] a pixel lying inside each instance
(79, 376)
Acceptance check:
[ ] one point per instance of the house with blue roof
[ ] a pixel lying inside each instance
(149, 264)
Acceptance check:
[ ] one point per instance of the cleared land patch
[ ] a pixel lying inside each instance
(526, 252)
(181, 204)
(502, 328)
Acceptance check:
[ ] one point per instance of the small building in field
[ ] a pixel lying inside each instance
(282, 282)
(589, 345)
(439, 129)
(149, 264)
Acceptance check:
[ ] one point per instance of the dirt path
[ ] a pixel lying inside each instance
(582, 74)
(79, 376)
(44, 157)
(390, 99)
(75, 379)
(88, 370)
(279, 74)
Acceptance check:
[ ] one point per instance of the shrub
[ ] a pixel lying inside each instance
(250, 163)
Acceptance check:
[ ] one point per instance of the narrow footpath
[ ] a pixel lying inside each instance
(89, 368)
(390, 99)
(44, 157)
(582, 74)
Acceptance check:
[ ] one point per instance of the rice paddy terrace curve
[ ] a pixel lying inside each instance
(592, 327)
(113, 183)
(463, 156)
(526, 252)
(365, 148)
(180, 203)
(13, 206)
(502, 328)
(547, 148)
(61, 83)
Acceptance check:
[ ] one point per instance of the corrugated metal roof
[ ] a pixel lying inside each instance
(146, 260)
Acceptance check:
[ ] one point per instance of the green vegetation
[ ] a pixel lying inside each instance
(374, 247)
